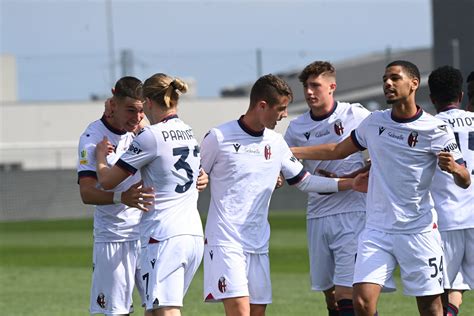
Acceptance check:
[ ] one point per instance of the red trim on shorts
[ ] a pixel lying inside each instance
(209, 297)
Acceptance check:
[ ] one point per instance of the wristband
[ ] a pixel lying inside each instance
(117, 197)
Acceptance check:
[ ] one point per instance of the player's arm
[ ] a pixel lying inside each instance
(136, 196)
(108, 178)
(460, 173)
(326, 151)
(318, 184)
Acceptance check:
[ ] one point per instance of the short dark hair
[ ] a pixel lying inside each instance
(317, 68)
(128, 87)
(445, 84)
(270, 88)
(409, 67)
(470, 77)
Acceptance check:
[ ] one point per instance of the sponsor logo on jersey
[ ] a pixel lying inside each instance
(221, 285)
(236, 147)
(307, 135)
(381, 130)
(338, 128)
(134, 150)
(450, 147)
(268, 152)
(101, 300)
(321, 134)
(396, 136)
(413, 139)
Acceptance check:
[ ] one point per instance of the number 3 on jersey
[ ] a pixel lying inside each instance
(183, 152)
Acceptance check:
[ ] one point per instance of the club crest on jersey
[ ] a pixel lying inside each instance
(221, 285)
(268, 152)
(307, 135)
(413, 139)
(381, 130)
(101, 300)
(338, 128)
(236, 147)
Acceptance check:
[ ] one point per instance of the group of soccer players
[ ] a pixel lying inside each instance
(149, 233)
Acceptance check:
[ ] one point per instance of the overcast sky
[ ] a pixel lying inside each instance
(62, 47)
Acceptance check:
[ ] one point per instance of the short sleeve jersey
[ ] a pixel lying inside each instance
(455, 206)
(404, 158)
(113, 222)
(309, 130)
(243, 166)
(167, 154)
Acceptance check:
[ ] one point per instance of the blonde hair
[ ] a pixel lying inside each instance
(164, 89)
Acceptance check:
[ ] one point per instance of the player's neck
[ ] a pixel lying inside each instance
(323, 110)
(113, 123)
(447, 107)
(252, 122)
(404, 109)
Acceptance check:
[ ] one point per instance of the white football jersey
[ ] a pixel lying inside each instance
(243, 167)
(167, 154)
(455, 206)
(404, 159)
(113, 222)
(309, 130)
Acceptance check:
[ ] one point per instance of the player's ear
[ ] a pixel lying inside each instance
(332, 87)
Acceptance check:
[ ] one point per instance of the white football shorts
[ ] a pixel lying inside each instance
(459, 258)
(420, 257)
(169, 268)
(231, 272)
(332, 247)
(113, 277)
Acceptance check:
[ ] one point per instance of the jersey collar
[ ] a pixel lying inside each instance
(111, 128)
(247, 129)
(323, 117)
(449, 107)
(169, 117)
(418, 114)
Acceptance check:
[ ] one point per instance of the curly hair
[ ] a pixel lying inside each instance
(445, 84)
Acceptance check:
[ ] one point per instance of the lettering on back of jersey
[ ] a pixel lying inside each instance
(177, 134)
(236, 147)
(338, 128)
(134, 150)
(413, 139)
(307, 135)
(381, 130)
(461, 121)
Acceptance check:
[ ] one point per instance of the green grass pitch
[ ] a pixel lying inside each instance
(45, 269)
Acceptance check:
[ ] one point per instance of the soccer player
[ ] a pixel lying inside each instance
(243, 159)
(333, 221)
(470, 92)
(404, 144)
(118, 211)
(167, 154)
(454, 205)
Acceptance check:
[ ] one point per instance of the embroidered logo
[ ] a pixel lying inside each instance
(268, 152)
(338, 128)
(236, 147)
(381, 130)
(222, 285)
(101, 300)
(211, 254)
(153, 263)
(307, 135)
(413, 139)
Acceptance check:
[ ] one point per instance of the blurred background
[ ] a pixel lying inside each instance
(59, 60)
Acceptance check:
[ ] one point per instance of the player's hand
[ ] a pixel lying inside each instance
(361, 182)
(138, 196)
(202, 180)
(280, 181)
(104, 148)
(446, 162)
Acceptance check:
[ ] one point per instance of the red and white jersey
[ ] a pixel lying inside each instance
(309, 130)
(167, 155)
(243, 167)
(404, 159)
(455, 206)
(113, 222)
